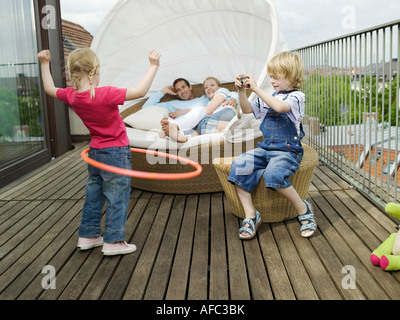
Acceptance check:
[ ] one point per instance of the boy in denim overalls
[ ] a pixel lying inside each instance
(278, 157)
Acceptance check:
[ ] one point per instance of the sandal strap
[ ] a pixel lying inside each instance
(250, 222)
(245, 229)
(306, 217)
(310, 226)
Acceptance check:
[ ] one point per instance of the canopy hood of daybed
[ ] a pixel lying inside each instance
(197, 39)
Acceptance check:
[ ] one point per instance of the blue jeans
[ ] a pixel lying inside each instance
(101, 186)
(209, 124)
(275, 166)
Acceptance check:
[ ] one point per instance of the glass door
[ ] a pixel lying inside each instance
(22, 131)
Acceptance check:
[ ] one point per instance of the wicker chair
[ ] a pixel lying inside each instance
(272, 206)
(207, 181)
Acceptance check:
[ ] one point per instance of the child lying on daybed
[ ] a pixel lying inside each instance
(210, 118)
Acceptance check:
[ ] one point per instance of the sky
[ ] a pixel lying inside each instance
(302, 22)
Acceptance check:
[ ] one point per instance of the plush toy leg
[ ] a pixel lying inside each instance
(384, 249)
(390, 262)
(393, 209)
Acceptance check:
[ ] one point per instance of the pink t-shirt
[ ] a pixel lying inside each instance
(100, 115)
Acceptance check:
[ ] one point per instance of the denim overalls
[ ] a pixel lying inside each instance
(277, 158)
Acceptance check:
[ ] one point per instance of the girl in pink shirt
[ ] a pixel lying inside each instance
(99, 111)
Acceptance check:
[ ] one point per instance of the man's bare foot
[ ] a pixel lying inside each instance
(171, 130)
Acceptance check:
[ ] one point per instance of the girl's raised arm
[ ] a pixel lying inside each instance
(48, 82)
(144, 85)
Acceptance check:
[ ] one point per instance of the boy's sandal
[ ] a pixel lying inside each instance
(252, 228)
(308, 217)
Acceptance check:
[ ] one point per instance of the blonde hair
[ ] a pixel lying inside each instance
(219, 84)
(287, 65)
(83, 62)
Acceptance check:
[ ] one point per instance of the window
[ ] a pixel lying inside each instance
(21, 111)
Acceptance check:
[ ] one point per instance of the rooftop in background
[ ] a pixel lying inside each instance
(74, 36)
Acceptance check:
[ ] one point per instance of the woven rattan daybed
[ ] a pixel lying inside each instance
(204, 154)
(213, 41)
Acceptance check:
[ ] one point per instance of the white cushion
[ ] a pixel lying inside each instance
(150, 140)
(147, 119)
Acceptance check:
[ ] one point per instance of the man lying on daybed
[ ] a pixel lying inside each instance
(191, 116)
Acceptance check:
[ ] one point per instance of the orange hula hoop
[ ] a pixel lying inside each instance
(147, 175)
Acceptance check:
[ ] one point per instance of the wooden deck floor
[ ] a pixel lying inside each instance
(188, 247)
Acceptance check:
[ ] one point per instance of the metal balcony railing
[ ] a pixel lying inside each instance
(352, 108)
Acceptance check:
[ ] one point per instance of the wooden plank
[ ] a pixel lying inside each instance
(23, 241)
(178, 282)
(380, 218)
(319, 276)
(238, 280)
(10, 209)
(139, 279)
(376, 233)
(41, 249)
(44, 176)
(392, 287)
(260, 287)
(142, 220)
(190, 246)
(14, 213)
(278, 277)
(218, 264)
(44, 188)
(299, 278)
(327, 180)
(69, 186)
(99, 281)
(80, 281)
(334, 228)
(319, 184)
(66, 262)
(198, 282)
(158, 282)
(22, 185)
(334, 177)
(333, 265)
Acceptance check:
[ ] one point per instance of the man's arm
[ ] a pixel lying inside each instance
(155, 98)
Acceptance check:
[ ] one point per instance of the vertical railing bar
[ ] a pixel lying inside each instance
(367, 113)
(359, 107)
(363, 63)
(382, 158)
(352, 134)
(370, 124)
(358, 83)
(376, 110)
(338, 123)
(331, 75)
(325, 99)
(341, 102)
(389, 134)
(345, 61)
(397, 111)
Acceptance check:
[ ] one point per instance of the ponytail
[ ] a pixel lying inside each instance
(90, 76)
(83, 62)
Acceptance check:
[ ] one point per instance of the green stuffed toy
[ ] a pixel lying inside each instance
(387, 255)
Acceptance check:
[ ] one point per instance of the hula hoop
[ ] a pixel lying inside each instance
(147, 175)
